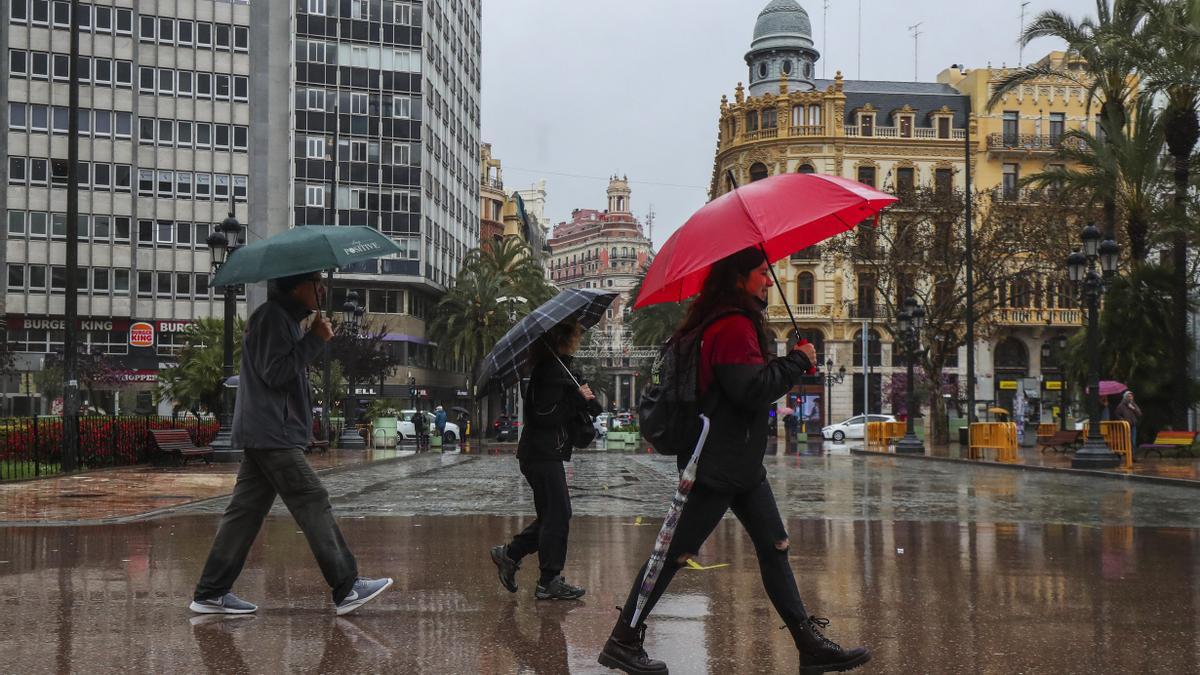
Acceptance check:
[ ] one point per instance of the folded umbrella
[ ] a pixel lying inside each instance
(308, 248)
(503, 366)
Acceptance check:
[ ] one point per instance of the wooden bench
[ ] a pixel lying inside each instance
(178, 443)
(1179, 441)
(1061, 441)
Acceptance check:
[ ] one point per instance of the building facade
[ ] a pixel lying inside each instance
(897, 136)
(163, 156)
(374, 108)
(607, 250)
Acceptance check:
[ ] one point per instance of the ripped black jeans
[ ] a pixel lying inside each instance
(757, 511)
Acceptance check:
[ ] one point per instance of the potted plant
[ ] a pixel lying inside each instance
(625, 434)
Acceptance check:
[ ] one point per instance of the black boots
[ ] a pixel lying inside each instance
(624, 651)
(819, 654)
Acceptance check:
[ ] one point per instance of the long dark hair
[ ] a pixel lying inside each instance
(721, 292)
(553, 341)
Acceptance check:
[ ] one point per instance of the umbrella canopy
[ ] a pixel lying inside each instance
(303, 249)
(502, 367)
(460, 409)
(782, 214)
(1110, 388)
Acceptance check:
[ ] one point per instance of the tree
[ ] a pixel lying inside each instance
(197, 380)
(652, 325)
(94, 369)
(919, 250)
(1126, 169)
(362, 356)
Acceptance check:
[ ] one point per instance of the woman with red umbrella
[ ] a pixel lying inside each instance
(741, 383)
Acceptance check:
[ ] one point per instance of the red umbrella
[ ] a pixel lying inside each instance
(782, 214)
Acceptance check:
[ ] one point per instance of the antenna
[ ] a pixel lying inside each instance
(1021, 48)
(915, 29)
(825, 37)
(650, 226)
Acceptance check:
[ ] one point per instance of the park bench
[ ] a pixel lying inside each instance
(1179, 441)
(1061, 441)
(178, 443)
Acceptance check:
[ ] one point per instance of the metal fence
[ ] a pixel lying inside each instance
(31, 447)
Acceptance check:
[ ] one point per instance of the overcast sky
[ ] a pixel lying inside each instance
(577, 90)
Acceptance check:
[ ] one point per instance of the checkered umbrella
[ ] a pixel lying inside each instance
(507, 360)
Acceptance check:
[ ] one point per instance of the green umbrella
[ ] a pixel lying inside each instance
(303, 249)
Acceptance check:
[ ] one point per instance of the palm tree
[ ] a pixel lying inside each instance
(1171, 57)
(197, 380)
(1126, 168)
(511, 261)
(1102, 44)
(654, 324)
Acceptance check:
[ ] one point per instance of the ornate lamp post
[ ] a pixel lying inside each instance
(352, 322)
(1081, 267)
(224, 241)
(830, 380)
(911, 320)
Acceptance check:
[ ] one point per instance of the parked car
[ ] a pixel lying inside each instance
(853, 427)
(506, 427)
(603, 423)
(622, 419)
(407, 432)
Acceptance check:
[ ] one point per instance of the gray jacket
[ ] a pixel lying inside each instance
(273, 408)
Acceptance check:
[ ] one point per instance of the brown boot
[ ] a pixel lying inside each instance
(819, 654)
(624, 651)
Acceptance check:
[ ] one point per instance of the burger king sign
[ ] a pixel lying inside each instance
(141, 334)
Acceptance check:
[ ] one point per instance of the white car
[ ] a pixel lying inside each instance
(407, 432)
(601, 424)
(853, 427)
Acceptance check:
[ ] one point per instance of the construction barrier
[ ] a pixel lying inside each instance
(998, 436)
(1119, 438)
(882, 435)
(1046, 431)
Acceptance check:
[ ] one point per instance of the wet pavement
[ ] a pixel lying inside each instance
(939, 567)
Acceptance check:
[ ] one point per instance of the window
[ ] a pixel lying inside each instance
(359, 9)
(1011, 124)
(121, 225)
(38, 225)
(58, 171)
(222, 41)
(203, 186)
(316, 51)
(121, 282)
(18, 62)
(315, 148)
(16, 223)
(100, 279)
(183, 184)
(103, 22)
(16, 115)
(943, 127)
(203, 34)
(62, 14)
(146, 80)
(240, 187)
(124, 73)
(758, 171)
(906, 126)
(358, 151)
(38, 171)
(37, 277)
(163, 287)
(1009, 185)
(165, 232)
(145, 284)
(866, 175)
(166, 30)
(39, 117)
(203, 134)
(124, 177)
(166, 132)
(402, 107)
(62, 67)
(103, 71)
(943, 182)
(145, 183)
(166, 81)
(18, 11)
(60, 121)
(146, 233)
(146, 131)
(316, 7)
(314, 195)
(241, 138)
(866, 124)
(124, 21)
(183, 134)
(203, 85)
(101, 227)
(183, 285)
(222, 134)
(1058, 124)
(315, 99)
(183, 234)
(16, 276)
(201, 235)
(358, 104)
(401, 154)
(905, 180)
(183, 83)
(241, 38)
(201, 285)
(58, 279)
(241, 88)
(222, 187)
(166, 183)
(147, 31)
(102, 176)
(39, 65)
(222, 82)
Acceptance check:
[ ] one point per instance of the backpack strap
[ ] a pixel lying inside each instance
(708, 400)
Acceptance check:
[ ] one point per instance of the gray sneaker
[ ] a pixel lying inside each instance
(226, 604)
(558, 589)
(363, 592)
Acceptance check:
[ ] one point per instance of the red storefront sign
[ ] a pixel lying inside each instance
(132, 376)
(141, 334)
(19, 322)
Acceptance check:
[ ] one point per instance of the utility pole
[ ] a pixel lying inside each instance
(1021, 47)
(70, 449)
(970, 273)
(915, 29)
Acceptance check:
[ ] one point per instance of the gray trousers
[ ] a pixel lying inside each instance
(264, 474)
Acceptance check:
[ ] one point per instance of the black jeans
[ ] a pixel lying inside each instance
(760, 516)
(547, 534)
(264, 474)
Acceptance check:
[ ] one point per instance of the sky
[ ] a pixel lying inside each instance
(575, 91)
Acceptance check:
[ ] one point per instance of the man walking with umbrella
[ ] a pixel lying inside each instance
(272, 421)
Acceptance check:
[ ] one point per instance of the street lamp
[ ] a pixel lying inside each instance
(223, 242)
(352, 314)
(1081, 267)
(911, 320)
(830, 380)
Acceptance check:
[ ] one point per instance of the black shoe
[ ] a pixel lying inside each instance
(507, 567)
(819, 654)
(557, 589)
(624, 651)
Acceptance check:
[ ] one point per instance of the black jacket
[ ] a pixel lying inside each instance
(552, 402)
(743, 384)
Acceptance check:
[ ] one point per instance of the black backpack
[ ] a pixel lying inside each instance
(669, 412)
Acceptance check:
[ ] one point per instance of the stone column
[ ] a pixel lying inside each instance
(617, 389)
(633, 397)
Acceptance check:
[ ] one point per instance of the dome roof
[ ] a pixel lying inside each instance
(782, 17)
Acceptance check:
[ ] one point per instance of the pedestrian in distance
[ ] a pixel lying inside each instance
(558, 412)
(739, 384)
(1129, 411)
(272, 421)
(420, 430)
(439, 420)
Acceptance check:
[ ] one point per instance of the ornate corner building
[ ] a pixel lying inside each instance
(893, 136)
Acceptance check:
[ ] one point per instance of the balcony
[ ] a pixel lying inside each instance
(1023, 144)
(810, 254)
(1038, 316)
(920, 133)
(492, 183)
(800, 312)
(1011, 195)
(869, 312)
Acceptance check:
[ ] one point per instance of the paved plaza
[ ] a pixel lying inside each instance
(938, 567)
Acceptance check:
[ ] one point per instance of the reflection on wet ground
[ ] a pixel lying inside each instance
(933, 597)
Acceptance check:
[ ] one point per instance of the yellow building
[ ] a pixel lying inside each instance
(893, 136)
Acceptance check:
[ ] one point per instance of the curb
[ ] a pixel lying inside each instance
(1090, 473)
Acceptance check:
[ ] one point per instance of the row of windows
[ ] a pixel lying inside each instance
(41, 172)
(45, 65)
(358, 56)
(53, 278)
(37, 341)
(400, 106)
(316, 195)
(185, 134)
(191, 185)
(186, 32)
(389, 11)
(594, 254)
(170, 233)
(186, 83)
(353, 150)
(46, 118)
(96, 228)
(98, 19)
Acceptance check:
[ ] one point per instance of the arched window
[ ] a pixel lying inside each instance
(729, 184)
(814, 115)
(758, 171)
(762, 70)
(787, 67)
(1012, 356)
(805, 289)
(806, 168)
(798, 116)
(752, 121)
(874, 349)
